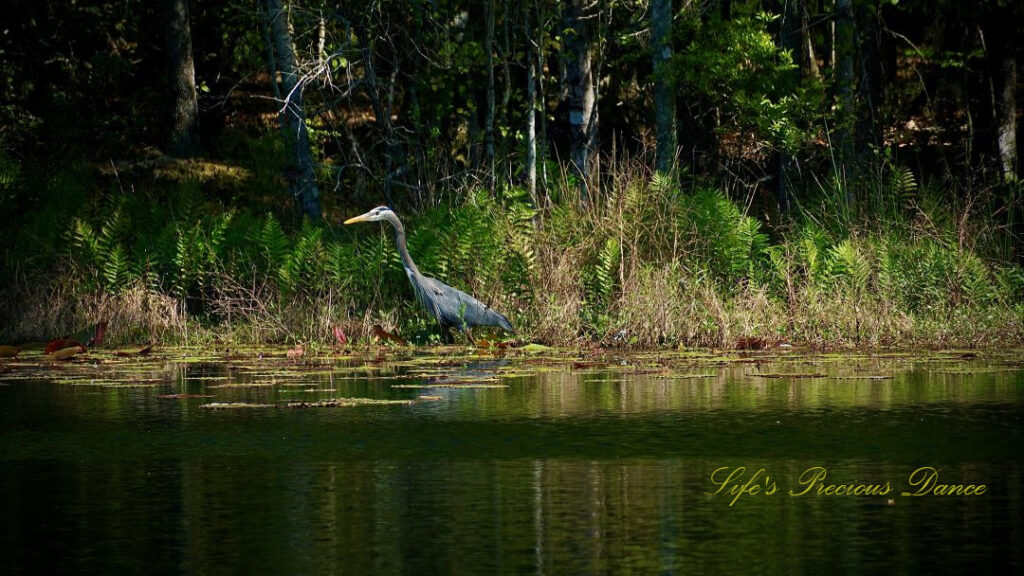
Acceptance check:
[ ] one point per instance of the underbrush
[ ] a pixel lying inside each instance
(645, 265)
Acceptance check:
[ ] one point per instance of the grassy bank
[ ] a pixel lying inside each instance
(644, 265)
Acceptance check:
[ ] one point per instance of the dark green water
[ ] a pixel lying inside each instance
(586, 470)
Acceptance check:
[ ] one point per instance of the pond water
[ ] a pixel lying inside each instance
(544, 463)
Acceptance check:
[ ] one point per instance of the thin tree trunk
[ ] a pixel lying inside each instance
(811, 59)
(531, 107)
(791, 40)
(664, 94)
(268, 42)
(843, 142)
(489, 120)
(1006, 118)
(580, 80)
(506, 95)
(999, 46)
(542, 137)
(184, 131)
(868, 132)
(790, 34)
(381, 112)
(829, 51)
(304, 187)
(321, 36)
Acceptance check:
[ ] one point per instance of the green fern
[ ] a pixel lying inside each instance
(270, 243)
(846, 261)
(9, 171)
(974, 279)
(727, 241)
(810, 248)
(904, 185)
(342, 265)
(184, 263)
(606, 271)
(662, 184)
(84, 241)
(306, 263)
(115, 268)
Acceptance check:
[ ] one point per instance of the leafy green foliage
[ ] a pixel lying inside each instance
(728, 241)
(847, 263)
(735, 68)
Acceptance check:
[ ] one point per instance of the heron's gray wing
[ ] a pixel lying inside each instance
(462, 310)
(428, 293)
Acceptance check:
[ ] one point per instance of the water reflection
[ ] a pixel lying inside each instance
(572, 470)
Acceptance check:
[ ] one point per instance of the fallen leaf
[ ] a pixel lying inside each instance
(383, 334)
(752, 343)
(9, 351)
(65, 353)
(340, 336)
(61, 343)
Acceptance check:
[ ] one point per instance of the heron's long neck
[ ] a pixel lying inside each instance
(403, 250)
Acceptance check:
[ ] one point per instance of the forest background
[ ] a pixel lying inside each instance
(615, 172)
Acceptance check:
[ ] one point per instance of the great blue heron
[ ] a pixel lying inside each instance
(450, 306)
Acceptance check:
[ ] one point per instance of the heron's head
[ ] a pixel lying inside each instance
(377, 214)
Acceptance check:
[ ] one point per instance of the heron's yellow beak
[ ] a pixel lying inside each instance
(357, 219)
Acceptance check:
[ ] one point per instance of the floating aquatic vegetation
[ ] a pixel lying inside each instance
(184, 396)
(346, 402)
(793, 375)
(421, 386)
(233, 405)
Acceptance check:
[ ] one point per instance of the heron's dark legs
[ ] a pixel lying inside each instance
(446, 334)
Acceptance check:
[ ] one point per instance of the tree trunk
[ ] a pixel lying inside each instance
(1006, 118)
(506, 56)
(394, 162)
(845, 79)
(828, 52)
(790, 39)
(582, 100)
(664, 94)
(868, 132)
(489, 121)
(184, 130)
(542, 136)
(531, 108)
(1000, 48)
(292, 116)
(805, 30)
(321, 36)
